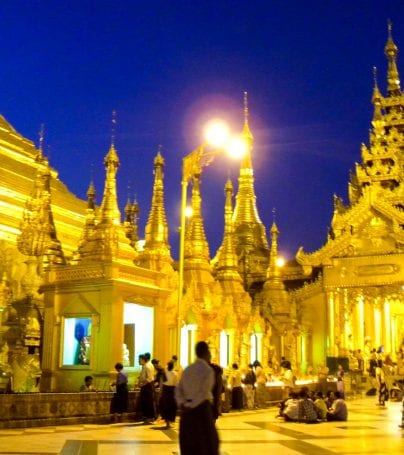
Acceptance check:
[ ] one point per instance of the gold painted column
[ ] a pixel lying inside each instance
(359, 340)
(259, 345)
(331, 324)
(377, 326)
(394, 345)
(387, 327)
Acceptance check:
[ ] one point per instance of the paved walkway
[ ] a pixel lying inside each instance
(369, 430)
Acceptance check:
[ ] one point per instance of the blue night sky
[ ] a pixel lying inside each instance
(168, 66)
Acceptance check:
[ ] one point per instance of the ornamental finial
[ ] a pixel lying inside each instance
(246, 108)
(113, 127)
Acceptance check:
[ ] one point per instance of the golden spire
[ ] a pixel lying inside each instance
(393, 78)
(196, 245)
(108, 241)
(109, 212)
(89, 223)
(131, 222)
(156, 231)
(273, 269)
(247, 137)
(376, 98)
(38, 233)
(275, 297)
(227, 261)
(39, 157)
(249, 232)
(91, 196)
(380, 167)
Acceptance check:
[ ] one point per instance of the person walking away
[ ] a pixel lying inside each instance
(146, 396)
(198, 434)
(217, 391)
(119, 402)
(249, 386)
(159, 378)
(340, 381)
(381, 383)
(260, 393)
(236, 389)
(168, 405)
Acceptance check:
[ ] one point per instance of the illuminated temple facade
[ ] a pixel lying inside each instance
(78, 294)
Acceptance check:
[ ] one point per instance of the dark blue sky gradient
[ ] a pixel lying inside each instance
(167, 66)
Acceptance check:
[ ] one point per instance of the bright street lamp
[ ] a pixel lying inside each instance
(218, 140)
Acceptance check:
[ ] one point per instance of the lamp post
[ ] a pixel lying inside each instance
(217, 134)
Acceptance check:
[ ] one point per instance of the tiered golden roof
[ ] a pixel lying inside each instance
(376, 189)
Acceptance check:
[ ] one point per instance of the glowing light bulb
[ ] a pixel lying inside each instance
(188, 211)
(217, 133)
(237, 148)
(280, 261)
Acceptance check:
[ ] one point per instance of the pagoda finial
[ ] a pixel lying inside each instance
(391, 51)
(376, 97)
(41, 136)
(246, 108)
(375, 76)
(247, 135)
(113, 127)
(39, 156)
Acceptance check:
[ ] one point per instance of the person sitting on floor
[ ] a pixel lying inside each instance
(339, 410)
(321, 407)
(307, 410)
(396, 393)
(290, 411)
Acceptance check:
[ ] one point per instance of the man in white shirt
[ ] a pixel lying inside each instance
(146, 398)
(198, 434)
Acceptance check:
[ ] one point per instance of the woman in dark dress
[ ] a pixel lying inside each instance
(236, 389)
(168, 405)
(119, 402)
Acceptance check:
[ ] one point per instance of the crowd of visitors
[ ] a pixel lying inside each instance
(202, 392)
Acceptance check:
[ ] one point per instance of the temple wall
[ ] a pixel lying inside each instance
(41, 409)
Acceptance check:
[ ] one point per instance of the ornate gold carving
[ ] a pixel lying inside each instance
(376, 269)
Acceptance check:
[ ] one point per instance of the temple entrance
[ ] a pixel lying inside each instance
(138, 332)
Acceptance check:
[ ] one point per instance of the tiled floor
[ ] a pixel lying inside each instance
(369, 430)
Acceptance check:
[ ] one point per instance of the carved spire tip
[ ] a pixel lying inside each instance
(113, 127)
(246, 113)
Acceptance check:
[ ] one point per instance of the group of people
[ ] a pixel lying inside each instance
(156, 385)
(312, 407)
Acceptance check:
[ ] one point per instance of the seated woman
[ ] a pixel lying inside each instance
(339, 410)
